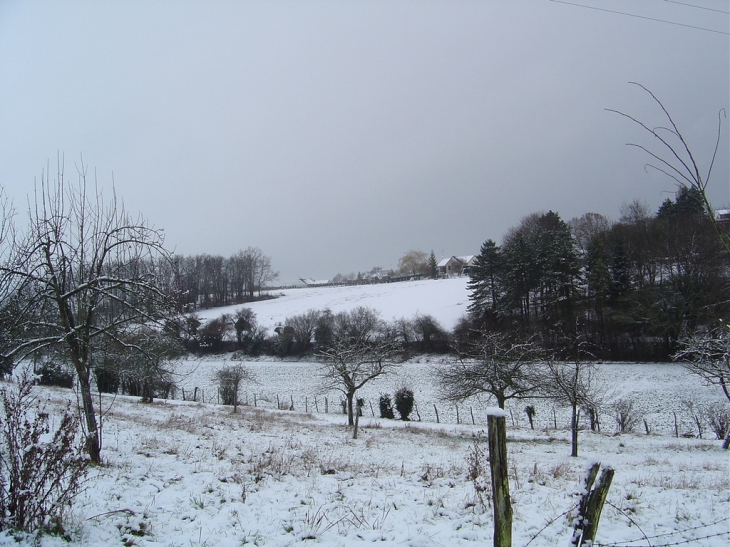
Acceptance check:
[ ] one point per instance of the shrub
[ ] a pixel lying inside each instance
(404, 402)
(53, 374)
(386, 407)
(107, 380)
(627, 418)
(718, 416)
(40, 470)
(214, 332)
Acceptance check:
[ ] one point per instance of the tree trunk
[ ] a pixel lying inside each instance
(93, 442)
(574, 431)
(350, 413)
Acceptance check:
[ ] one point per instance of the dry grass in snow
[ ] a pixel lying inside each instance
(191, 474)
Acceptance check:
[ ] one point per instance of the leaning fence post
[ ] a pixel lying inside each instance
(497, 440)
(591, 505)
(437, 413)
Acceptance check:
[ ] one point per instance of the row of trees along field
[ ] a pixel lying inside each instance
(631, 288)
(210, 281)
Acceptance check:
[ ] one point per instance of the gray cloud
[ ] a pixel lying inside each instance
(338, 135)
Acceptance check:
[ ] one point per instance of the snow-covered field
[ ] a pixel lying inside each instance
(183, 473)
(445, 299)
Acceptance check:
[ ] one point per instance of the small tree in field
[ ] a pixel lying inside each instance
(230, 378)
(573, 382)
(492, 364)
(357, 351)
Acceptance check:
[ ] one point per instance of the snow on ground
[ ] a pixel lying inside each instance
(192, 474)
(445, 299)
(658, 390)
(185, 473)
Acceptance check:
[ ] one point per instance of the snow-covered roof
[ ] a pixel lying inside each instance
(464, 259)
(308, 281)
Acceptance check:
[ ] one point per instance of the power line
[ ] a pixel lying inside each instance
(698, 7)
(641, 17)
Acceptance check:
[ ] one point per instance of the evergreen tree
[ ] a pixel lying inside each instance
(433, 265)
(687, 201)
(484, 283)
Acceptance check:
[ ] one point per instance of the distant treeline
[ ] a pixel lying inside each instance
(310, 332)
(210, 281)
(630, 289)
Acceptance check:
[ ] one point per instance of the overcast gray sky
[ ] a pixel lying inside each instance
(336, 135)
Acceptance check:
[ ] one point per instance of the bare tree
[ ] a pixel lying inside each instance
(357, 351)
(587, 227)
(256, 270)
(303, 327)
(264, 272)
(708, 356)
(572, 384)
(82, 272)
(572, 381)
(496, 365)
(414, 263)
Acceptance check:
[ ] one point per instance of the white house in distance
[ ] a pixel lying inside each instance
(456, 265)
(722, 215)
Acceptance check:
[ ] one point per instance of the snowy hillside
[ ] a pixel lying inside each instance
(445, 299)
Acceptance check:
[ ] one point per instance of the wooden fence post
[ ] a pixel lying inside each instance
(591, 505)
(497, 438)
(437, 413)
